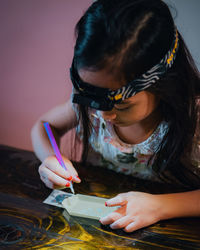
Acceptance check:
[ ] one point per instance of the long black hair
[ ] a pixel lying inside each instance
(128, 37)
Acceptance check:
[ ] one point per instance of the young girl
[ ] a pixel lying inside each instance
(136, 92)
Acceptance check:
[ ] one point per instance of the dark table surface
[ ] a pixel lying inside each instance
(27, 223)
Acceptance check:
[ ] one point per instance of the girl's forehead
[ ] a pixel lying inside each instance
(100, 78)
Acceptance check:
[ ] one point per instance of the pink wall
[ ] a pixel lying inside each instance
(36, 47)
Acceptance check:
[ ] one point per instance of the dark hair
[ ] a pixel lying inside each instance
(128, 37)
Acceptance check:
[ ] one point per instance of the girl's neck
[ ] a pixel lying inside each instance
(140, 131)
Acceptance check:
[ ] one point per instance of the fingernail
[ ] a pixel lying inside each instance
(76, 178)
(112, 226)
(68, 184)
(70, 178)
(102, 219)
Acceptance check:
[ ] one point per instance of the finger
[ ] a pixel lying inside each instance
(72, 170)
(50, 184)
(121, 222)
(76, 179)
(52, 164)
(118, 200)
(70, 167)
(47, 182)
(132, 226)
(112, 217)
(51, 179)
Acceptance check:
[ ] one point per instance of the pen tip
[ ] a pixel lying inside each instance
(72, 189)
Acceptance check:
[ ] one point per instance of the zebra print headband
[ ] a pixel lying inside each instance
(148, 78)
(104, 99)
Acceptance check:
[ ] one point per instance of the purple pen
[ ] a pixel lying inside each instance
(56, 150)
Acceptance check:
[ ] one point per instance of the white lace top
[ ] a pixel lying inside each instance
(114, 154)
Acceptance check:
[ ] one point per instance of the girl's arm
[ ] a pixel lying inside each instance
(62, 119)
(184, 204)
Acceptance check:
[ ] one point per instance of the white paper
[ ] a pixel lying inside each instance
(87, 206)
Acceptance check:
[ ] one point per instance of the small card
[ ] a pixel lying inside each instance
(87, 206)
(56, 197)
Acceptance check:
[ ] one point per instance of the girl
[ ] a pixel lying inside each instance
(136, 91)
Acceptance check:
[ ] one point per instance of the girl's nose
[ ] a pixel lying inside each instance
(108, 115)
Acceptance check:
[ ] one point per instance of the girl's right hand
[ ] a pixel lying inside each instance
(55, 176)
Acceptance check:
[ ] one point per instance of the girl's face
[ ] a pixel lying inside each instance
(133, 110)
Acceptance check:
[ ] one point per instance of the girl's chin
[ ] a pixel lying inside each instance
(119, 124)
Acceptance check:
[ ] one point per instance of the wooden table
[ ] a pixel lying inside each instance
(27, 223)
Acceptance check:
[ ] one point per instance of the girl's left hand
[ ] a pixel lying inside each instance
(137, 210)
